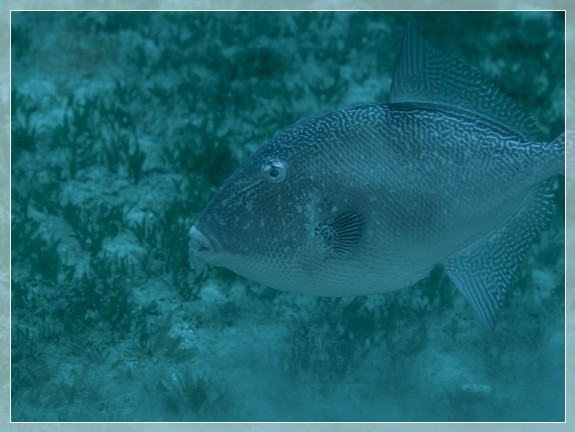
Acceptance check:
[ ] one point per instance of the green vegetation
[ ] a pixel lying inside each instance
(192, 398)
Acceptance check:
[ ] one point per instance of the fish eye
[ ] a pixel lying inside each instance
(274, 170)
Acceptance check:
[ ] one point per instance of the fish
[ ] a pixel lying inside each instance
(369, 198)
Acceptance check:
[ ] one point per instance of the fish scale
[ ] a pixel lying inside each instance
(371, 197)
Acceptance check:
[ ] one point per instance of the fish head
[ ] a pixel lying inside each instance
(275, 219)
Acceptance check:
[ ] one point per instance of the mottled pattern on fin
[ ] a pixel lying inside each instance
(342, 233)
(425, 74)
(484, 271)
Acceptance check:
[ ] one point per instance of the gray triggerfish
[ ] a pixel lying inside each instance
(371, 197)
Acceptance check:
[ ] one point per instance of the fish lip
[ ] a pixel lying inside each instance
(205, 248)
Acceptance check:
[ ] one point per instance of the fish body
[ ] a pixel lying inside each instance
(370, 197)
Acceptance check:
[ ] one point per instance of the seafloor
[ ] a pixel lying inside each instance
(123, 127)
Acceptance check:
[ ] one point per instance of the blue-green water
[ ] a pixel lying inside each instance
(123, 127)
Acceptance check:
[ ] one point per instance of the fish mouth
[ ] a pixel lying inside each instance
(202, 246)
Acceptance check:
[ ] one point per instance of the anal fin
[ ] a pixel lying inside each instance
(485, 270)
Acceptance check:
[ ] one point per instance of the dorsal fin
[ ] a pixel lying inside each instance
(424, 74)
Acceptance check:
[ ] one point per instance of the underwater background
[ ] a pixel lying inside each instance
(124, 124)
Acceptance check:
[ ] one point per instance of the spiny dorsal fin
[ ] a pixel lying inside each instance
(425, 74)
